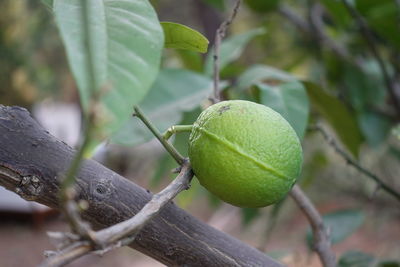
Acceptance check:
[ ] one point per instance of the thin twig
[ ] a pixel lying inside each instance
(67, 193)
(369, 38)
(355, 164)
(321, 242)
(67, 255)
(171, 150)
(124, 233)
(219, 35)
(150, 210)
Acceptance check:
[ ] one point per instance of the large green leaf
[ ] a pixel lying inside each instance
(341, 224)
(337, 115)
(290, 100)
(126, 41)
(174, 92)
(231, 49)
(262, 73)
(182, 37)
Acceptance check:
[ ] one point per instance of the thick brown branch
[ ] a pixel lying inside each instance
(31, 162)
(123, 233)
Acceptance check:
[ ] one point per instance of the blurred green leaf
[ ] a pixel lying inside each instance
(278, 254)
(219, 4)
(48, 3)
(337, 115)
(182, 37)
(396, 131)
(262, 6)
(262, 73)
(290, 100)
(190, 60)
(173, 92)
(382, 16)
(360, 259)
(389, 263)
(374, 126)
(126, 44)
(356, 259)
(341, 224)
(248, 215)
(231, 49)
(338, 11)
(364, 88)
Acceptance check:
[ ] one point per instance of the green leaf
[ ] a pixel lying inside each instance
(262, 6)
(190, 60)
(290, 100)
(231, 49)
(219, 4)
(262, 73)
(341, 224)
(396, 131)
(338, 11)
(48, 3)
(182, 37)
(174, 92)
(365, 88)
(374, 126)
(126, 43)
(382, 17)
(389, 263)
(337, 115)
(356, 259)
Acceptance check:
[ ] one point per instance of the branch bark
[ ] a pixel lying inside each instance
(321, 242)
(32, 161)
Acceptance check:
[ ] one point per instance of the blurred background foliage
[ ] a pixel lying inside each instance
(327, 62)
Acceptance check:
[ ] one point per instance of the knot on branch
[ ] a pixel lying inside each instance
(101, 189)
(30, 187)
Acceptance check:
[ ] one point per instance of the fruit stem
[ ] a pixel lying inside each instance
(176, 129)
(171, 150)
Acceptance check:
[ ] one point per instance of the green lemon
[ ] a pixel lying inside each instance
(245, 153)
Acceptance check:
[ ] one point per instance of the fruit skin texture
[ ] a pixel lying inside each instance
(245, 153)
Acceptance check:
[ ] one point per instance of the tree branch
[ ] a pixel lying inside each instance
(219, 35)
(321, 242)
(123, 233)
(31, 162)
(355, 164)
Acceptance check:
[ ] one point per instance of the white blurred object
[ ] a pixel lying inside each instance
(63, 120)
(11, 202)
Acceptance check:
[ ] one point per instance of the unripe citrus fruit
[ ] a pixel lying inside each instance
(245, 153)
